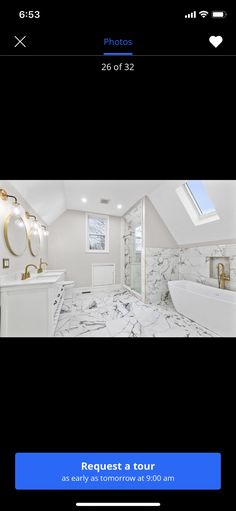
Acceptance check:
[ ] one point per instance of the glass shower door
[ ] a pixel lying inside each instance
(136, 259)
(133, 248)
(133, 245)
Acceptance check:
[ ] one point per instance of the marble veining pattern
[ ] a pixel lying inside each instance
(121, 314)
(194, 264)
(164, 264)
(134, 216)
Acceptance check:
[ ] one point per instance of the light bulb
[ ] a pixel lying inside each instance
(16, 209)
(34, 227)
(20, 222)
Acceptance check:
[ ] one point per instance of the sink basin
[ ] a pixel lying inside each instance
(50, 277)
(49, 273)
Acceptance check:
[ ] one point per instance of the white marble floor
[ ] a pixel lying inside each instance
(120, 314)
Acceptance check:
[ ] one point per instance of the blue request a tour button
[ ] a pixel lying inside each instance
(118, 471)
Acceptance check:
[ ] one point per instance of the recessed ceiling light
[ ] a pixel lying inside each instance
(84, 199)
(119, 206)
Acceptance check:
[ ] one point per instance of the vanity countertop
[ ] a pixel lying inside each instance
(32, 281)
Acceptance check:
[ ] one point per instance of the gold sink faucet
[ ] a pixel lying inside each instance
(26, 274)
(40, 269)
(221, 276)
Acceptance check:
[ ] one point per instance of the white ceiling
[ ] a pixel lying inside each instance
(168, 205)
(51, 198)
(46, 197)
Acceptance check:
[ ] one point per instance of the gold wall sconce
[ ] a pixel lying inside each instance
(30, 216)
(35, 223)
(35, 226)
(45, 230)
(16, 206)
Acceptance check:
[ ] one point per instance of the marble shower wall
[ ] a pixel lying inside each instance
(134, 216)
(193, 264)
(162, 264)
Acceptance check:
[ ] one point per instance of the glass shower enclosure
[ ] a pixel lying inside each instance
(133, 244)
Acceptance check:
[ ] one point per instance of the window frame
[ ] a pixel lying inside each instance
(107, 234)
(196, 204)
(192, 208)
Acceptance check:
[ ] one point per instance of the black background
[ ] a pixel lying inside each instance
(78, 28)
(144, 395)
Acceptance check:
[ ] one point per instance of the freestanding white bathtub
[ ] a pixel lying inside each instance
(211, 307)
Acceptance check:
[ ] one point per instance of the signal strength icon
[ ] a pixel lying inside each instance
(203, 14)
(191, 15)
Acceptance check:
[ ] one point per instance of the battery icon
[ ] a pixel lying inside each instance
(218, 14)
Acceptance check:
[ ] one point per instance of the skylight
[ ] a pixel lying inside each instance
(196, 201)
(200, 196)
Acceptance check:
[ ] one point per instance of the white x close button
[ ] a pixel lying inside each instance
(20, 41)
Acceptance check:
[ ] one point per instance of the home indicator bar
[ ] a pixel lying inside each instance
(118, 504)
(115, 54)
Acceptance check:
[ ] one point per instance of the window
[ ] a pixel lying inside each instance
(198, 204)
(97, 233)
(200, 196)
(138, 239)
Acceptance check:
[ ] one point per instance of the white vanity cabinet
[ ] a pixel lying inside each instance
(31, 308)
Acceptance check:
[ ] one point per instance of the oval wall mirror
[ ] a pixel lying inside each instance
(34, 240)
(15, 234)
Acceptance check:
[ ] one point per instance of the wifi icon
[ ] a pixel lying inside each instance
(203, 14)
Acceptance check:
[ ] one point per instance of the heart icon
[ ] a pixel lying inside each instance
(216, 40)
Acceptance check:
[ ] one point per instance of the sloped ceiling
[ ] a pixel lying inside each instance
(125, 192)
(47, 197)
(51, 198)
(176, 218)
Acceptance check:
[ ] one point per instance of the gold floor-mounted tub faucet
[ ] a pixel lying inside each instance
(26, 274)
(40, 269)
(221, 276)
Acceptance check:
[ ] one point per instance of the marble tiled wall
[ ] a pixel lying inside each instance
(193, 264)
(162, 264)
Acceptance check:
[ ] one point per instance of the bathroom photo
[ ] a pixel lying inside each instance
(117, 258)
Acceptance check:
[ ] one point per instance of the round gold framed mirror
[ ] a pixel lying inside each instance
(15, 234)
(34, 240)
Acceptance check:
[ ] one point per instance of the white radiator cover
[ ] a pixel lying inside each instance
(103, 274)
